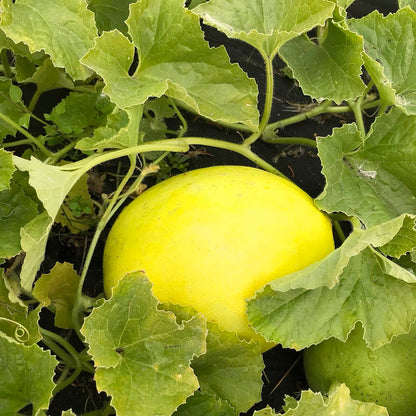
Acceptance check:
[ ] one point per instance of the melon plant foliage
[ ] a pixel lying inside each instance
(130, 70)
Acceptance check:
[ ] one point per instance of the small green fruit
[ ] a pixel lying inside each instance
(386, 376)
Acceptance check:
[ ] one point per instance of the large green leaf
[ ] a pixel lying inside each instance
(141, 351)
(353, 283)
(388, 41)
(410, 3)
(204, 404)
(63, 29)
(6, 169)
(330, 68)
(371, 179)
(10, 107)
(26, 377)
(16, 322)
(265, 24)
(231, 369)
(174, 59)
(16, 210)
(337, 403)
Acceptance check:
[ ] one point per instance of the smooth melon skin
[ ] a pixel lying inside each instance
(211, 237)
(386, 376)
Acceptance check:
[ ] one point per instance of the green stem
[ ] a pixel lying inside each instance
(268, 102)
(74, 354)
(184, 127)
(33, 139)
(356, 108)
(108, 213)
(324, 107)
(234, 147)
(61, 153)
(291, 140)
(59, 351)
(34, 100)
(5, 62)
(170, 145)
(339, 231)
(17, 143)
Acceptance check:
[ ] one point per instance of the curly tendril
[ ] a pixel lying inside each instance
(21, 333)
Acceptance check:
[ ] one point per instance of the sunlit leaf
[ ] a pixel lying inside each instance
(26, 377)
(265, 24)
(34, 236)
(353, 283)
(141, 351)
(230, 369)
(64, 30)
(204, 404)
(371, 179)
(388, 41)
(180, 65)
(337, 403)
(330, 68)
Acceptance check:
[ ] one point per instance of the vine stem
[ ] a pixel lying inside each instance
(74, 355)
(76, 312)
(267, 103)
(33, 139)
(291, 140)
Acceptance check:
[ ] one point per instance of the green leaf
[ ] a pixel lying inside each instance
(110, 14)
(77, 212)
(26, 377)
(181, 65)
(34, 236)
(353, 283)
(265, 24)
(16, 210)
(46, 76)
(6, 169)
(80, 111)
(59, 288)
(338, 403)
(141, 351)
(204, 404)
(40, 23)
(410, 3)
(16, 322)
(329, 69)
(51, 183)
(10, 108)
(153, 123)
(387, 42)
(371, 179)
(120, 131)
(231, 369)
